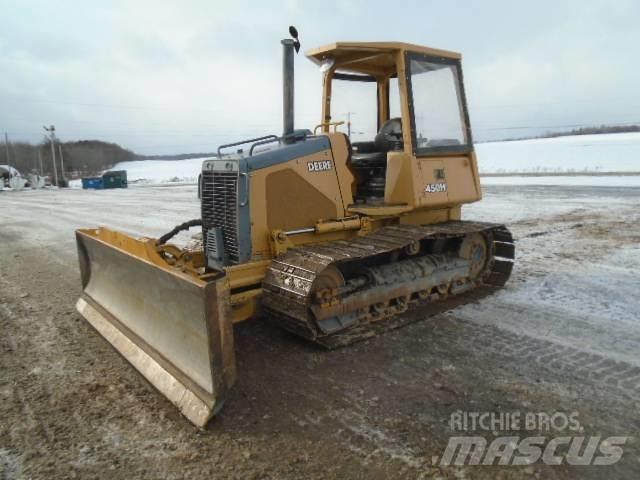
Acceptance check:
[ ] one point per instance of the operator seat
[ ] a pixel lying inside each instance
(369, 161)
(387, 139)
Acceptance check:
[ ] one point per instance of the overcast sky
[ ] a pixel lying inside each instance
(169, 77)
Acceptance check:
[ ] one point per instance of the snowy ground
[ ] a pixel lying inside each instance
(564, 335)
(569, 180)
(578, 258)
(606, 153)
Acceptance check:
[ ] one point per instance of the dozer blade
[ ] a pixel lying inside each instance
(173, 327)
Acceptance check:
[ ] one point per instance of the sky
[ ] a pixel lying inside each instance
(163, 77)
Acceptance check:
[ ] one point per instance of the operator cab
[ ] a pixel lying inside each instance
(395, 98)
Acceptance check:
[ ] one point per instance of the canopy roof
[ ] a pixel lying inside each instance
(370, 57)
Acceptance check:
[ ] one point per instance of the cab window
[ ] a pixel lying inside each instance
(439, 117)
(355, 102)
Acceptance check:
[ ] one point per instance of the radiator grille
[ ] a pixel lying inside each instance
(220, 210)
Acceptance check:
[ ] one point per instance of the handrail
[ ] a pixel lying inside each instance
(245, 200)
(328, 124)
(243, 142)
(262, 142)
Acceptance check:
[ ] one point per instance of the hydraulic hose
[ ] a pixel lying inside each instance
(179, 228)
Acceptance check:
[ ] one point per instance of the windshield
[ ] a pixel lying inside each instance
(438, 112)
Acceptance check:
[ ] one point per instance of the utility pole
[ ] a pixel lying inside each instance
(6, 146)
(40, 162)
(52, 137)
(61, 161)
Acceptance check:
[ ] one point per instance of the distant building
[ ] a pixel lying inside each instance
(11, 178)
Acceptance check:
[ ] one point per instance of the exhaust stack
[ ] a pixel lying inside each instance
(287, 88)
(288, 92)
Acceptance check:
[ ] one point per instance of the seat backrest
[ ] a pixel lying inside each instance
(390, 136)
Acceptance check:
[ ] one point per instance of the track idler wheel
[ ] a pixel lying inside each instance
(475, 248)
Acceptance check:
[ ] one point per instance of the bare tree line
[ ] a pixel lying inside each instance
(595, 130)
(81, 158)
(578, 131)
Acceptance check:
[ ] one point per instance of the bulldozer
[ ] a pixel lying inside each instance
(329, 238)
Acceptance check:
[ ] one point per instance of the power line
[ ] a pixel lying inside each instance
(125, 125)
(191, 133)
(550, 103)
(31, 99)
(129, 133)
(113, 106)
(104, 105)
(574, 125)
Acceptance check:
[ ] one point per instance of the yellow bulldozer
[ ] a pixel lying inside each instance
(331, 239)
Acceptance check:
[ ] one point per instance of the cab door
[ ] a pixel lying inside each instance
(439, 136)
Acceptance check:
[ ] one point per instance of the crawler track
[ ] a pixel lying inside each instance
(436, 278)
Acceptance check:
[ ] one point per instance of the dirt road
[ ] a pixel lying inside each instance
(564, 336)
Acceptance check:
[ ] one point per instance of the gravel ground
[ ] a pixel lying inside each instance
(563, 336)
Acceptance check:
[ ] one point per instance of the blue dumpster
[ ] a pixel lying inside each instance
(92, 182)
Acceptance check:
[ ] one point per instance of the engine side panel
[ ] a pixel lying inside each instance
(294, 194)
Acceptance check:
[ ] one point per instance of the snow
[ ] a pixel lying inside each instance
(592, 153)
(577, 257)
(619, 152)
(162, 171)
(150, 211)
(575, 180)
